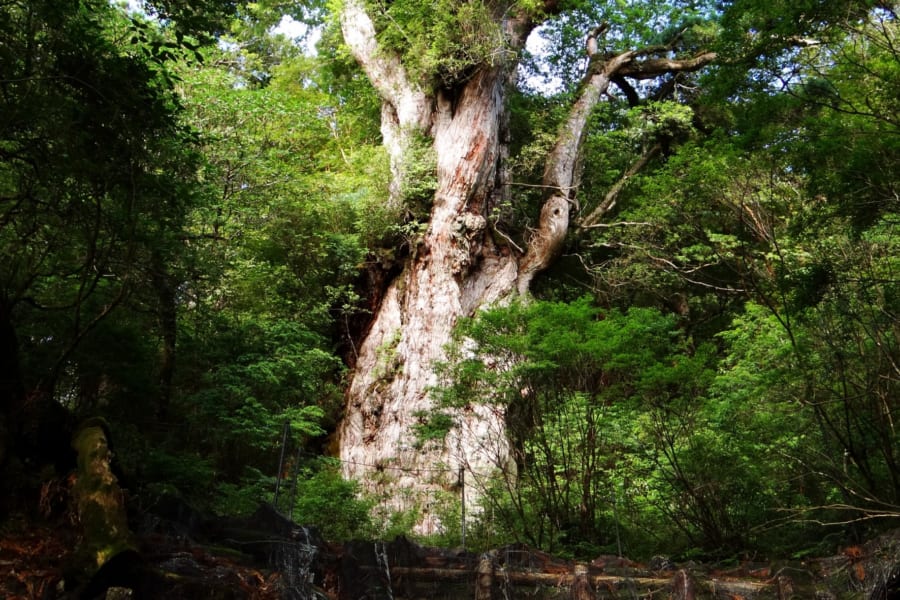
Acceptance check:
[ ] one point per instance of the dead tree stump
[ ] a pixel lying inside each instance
(107, 549)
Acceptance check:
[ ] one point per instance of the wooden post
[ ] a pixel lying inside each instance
(683, 586)
(284, 436)
(484, 578)
(294, 483)
(785, 587)
(462, 504)
(581, 588)
(616, 523)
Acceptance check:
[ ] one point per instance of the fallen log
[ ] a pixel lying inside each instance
(582, 584)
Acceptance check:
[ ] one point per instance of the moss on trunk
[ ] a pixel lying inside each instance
(99, 499)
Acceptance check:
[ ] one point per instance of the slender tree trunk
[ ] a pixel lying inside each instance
(11, 388)
(167, 314)
(12, 391)
(455, 268)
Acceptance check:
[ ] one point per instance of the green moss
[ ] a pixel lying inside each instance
(418, 180)
(99, 499)
(443, 42)
(389, 362)
(432, 427)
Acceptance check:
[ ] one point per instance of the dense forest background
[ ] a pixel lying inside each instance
(196, 231)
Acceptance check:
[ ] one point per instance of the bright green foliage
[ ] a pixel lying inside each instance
(277, 256)
(770, 228)
(612, 427)
(633, 25)
(183, 226)
(259, 375)
(279, 375)
(833, 268)
(432, 427)
(660, 121)
(321, 498)
(203, 18)
(96, 178)
(418, 180)
(332, 503)
(619, 426)
(221, 216)
(841, 325)
(767, 30)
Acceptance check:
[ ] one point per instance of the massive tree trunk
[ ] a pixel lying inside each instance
(454, 269)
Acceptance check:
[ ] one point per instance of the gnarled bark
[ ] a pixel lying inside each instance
(455, 268)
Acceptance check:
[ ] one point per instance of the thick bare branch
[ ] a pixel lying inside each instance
(384, 69)
(405, 108)
(546, 241)
(561, 173)
(630, 93)
(648, 69)
(592, 43)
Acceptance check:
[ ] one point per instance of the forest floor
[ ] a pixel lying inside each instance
(36, 563)
(33, 558)
(233, 559)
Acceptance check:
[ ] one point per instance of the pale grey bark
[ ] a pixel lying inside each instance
(455, 268)
(561, 173)
(406, 109)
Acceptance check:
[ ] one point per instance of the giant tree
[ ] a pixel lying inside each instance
(444, 75)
